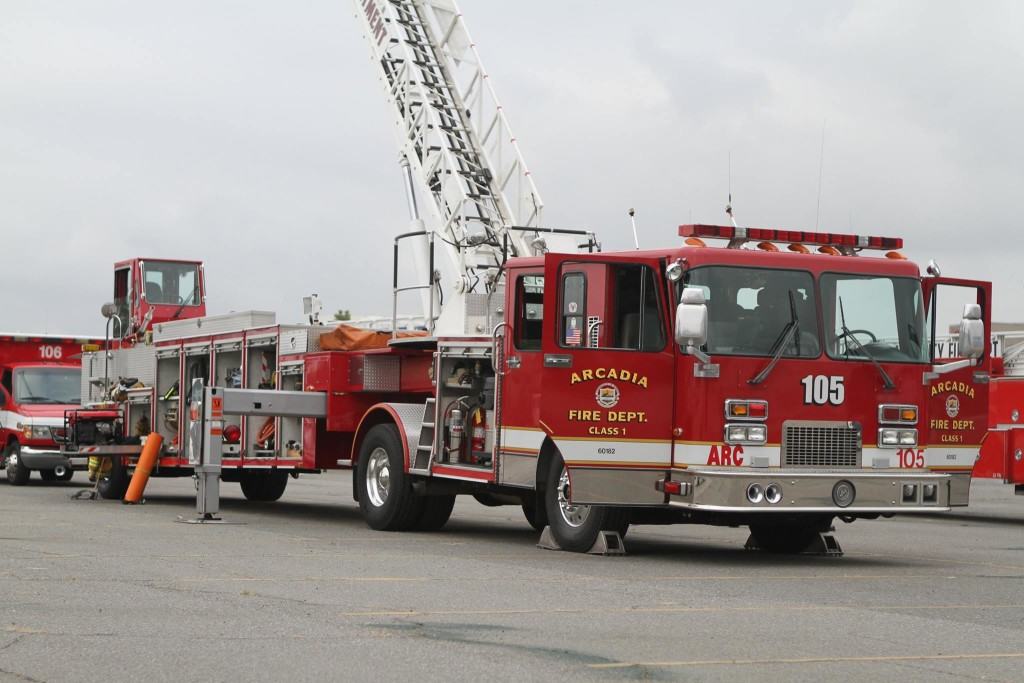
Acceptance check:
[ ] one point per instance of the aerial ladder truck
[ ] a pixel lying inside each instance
(780, 382)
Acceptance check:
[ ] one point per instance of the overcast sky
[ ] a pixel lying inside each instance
(254, 135)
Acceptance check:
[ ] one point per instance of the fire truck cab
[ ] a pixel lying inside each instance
(149, 291)
(40, 378)
(777, 388)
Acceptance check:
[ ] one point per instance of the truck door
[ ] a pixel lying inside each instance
(957, 400)
(608, 374)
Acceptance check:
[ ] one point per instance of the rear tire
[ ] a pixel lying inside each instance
(17, 473)
(789, 537)
(47, 475)
(436, 511)
(576, 527)
(263, 486)
(536, 516)
(114, 485)
(386, 497)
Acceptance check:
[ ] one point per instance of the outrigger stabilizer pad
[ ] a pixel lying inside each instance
(203, 519)
(607, 543)
(824, 544)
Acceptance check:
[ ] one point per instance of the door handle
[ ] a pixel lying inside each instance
(556, 360)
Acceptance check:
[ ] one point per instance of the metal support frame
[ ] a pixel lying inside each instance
(206, 426)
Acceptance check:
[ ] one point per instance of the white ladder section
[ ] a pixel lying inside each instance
(465, 162)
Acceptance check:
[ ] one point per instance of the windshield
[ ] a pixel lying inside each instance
(48, 385)
(874, 316)
(171, 283)
(751, 309)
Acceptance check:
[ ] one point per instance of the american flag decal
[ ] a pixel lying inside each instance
(573, 335)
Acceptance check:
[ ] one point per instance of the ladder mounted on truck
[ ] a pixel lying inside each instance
(459, 156)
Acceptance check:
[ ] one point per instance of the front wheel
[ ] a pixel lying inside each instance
(386, 497)
(576, 527)
(788, 537)
(17, 473)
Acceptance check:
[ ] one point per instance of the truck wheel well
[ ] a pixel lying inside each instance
(548, 450)
(373, 418)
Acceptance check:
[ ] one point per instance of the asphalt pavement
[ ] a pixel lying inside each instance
(302, 590)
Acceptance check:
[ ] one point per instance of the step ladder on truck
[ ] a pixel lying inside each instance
(777, 383)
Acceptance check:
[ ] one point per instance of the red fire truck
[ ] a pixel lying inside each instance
(778, 383)
(40, 377)
(787, 388)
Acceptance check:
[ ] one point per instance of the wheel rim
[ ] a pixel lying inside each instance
(12, 459)
(378, 477)
(573, 515)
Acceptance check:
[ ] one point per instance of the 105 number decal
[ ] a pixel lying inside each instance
(822, 389)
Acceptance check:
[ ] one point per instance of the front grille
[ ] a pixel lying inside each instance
(821, 444)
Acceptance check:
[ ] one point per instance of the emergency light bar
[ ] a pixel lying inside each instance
(727, 232)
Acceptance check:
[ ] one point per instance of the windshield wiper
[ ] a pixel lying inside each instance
(889, 384)
(185, 302)
(788, 333)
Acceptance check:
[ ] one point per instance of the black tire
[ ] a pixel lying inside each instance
(67, 476)
(580, 534)
(390, 504)
(114, 485)
(263, 486)
(47, 475)
(790, 536)
(435, 514)
(17, 473)
(536, 515)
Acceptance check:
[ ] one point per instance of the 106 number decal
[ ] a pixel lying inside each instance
(822, 389)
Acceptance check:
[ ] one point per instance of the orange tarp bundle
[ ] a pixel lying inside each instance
(350, 338)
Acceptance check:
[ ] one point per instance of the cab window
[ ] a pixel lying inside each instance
(610, 306)
(529, 311)
(752, 310)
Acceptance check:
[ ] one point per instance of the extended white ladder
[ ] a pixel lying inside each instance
(462, 155)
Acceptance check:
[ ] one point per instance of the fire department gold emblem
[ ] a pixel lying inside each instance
(607, 395)
(952, 405)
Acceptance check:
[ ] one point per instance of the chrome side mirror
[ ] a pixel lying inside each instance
(692, 322)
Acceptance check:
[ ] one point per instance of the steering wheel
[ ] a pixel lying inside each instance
(850, 333)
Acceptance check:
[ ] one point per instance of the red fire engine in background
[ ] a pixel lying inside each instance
(40, 377)
(1002, 454)
(777, 383)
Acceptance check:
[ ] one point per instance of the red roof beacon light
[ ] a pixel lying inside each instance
(844, 243)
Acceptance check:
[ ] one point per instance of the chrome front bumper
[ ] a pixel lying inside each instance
(716, 490)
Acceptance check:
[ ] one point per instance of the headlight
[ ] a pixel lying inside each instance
(897, 438)
(749, 434)
(35, 431)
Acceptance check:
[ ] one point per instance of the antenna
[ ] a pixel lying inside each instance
(821, 165)
(632, 219)
(728, 205)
